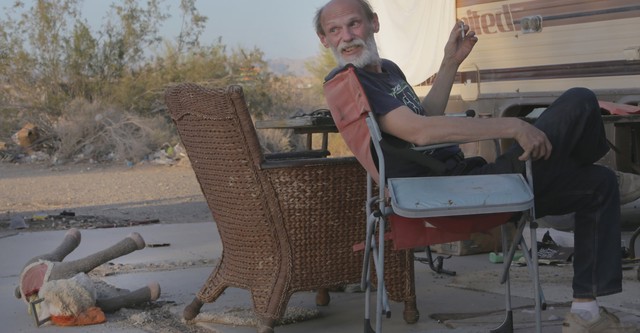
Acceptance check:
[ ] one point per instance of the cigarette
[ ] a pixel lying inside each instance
(462, 30)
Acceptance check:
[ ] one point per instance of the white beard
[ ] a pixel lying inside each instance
(369, 54)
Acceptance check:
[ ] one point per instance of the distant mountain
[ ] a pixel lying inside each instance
(286, 66)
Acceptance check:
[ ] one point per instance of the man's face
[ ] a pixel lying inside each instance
(349, 34)
(367, 56)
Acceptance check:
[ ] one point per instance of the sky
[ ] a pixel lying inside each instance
(280, 28)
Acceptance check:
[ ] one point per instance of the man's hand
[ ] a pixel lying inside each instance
(455, 51)
(458, 48)
(534, 142)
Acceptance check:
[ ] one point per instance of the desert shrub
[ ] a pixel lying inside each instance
(92, 131)
(99, 93)
(337, 147)
(275, 140)
(11, 120)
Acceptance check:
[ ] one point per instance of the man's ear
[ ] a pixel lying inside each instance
(375, 23)
(323, 40)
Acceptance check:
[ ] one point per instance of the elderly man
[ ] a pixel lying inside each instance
(564, 144)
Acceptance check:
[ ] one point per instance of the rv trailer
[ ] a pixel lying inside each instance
(530, 51)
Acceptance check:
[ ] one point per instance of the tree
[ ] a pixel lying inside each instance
(52, 63)
(127, 35)
(80, 63)
(52, 56)
(192, 26)
(35, 40)
(319, 67)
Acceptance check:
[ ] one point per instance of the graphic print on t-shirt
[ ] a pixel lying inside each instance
(403, 92)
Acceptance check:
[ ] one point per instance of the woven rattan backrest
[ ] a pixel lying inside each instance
(216, 129)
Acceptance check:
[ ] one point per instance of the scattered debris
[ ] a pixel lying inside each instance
(158, 245)
(27, 136)
(17, 222)
(111, 269)
(67, 220)
(30, 147)
(246, 317)
(549, 250)
(158, 317)
(550, 253)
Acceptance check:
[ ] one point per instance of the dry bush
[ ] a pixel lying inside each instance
(336, 145)
(276, 140)
(92, 131)
(9, 123)
(12, 120)
(279, 140)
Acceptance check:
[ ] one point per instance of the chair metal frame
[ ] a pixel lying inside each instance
(386, 203)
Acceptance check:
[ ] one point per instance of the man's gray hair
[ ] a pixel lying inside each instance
(364, 4)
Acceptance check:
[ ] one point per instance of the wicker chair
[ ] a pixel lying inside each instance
(286, 225)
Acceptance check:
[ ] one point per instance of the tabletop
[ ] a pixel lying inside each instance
(307, 123)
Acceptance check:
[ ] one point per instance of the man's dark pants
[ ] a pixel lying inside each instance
(569, 181)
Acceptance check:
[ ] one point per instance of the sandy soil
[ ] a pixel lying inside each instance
(147, 192)
(112, 194)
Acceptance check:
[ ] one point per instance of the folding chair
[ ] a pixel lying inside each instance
(423, 211)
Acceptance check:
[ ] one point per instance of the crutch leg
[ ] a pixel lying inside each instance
(507, 324)
(536, 283)
(366, 277)
(532, 271)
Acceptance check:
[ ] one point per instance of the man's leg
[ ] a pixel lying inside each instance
(591, 192)
(574, 127)
(569, 182)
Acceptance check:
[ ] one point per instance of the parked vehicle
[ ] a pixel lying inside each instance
(530, 51)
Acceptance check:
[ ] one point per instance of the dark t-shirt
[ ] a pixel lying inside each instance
(387, 91)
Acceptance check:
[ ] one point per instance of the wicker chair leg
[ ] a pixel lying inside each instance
(193, 309)
(410, 313)
(266, 325)
(322, 297)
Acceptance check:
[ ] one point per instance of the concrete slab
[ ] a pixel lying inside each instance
(471, 301)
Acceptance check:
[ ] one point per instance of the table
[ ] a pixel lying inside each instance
(318, 121)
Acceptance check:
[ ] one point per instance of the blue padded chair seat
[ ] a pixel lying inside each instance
(459, 195)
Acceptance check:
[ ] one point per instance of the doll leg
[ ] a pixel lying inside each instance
(69, 243)
(146, 294)
(64, 270)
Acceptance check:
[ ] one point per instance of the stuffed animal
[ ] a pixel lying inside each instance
(64, 292)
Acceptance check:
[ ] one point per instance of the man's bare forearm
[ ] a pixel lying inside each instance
(436, 100)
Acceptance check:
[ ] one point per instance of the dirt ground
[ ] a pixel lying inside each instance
(99, 195)
(105, 196)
